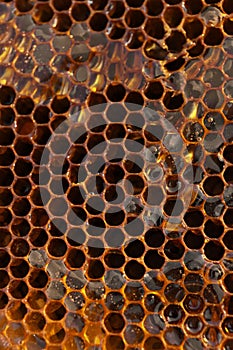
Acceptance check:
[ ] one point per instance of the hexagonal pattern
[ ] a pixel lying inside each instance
(116, 174)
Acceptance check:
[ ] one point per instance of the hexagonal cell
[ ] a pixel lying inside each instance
(61, 6)
(37, 258)
(154, 27)
(43, 13)
(62, 22)
(36, 321)
(98, 22)
(211, 15)
(173, 16)
(133, 334)
(193, 27)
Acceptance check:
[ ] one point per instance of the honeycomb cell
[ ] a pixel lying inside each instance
(36, 299)
(16, 310)
(193, 303)
(153, 260)
(154, 90)
(94, 312)
(227, 239)
(227, 154)
(214, 250)
(227, 133)
(25, 23)
(193, 283)
(213, 77)
(154, 51)
(193, 27)
(61, 6)
(24, 126)
(134, 270)
(56, 291)
(213, 185)
(75, 258)
(173, 101)
(55, 311)
(214, 207)
(74, 322)
(76, 237)
(194, 239)
(153, 342)
(193, 325)
(7, 94)
(213, 294)
(227, 45)
(174, 336)
(55, 333)
(228, 89)
(174, 249)
(227, 6)
(154, 27)
(193, 261)
(116, 31)
(194, 218)
(227, 26)
(60, 104)
(174, 314)
(173, 207)
(24, 6)
(57, 247)
(43, 13)
(95, 269)
(95, 290)
(173, 271)
(213, 142)
(116, 9)
(133, 334)
(154, 9)
(7, 116)
(213, 36)
(175, 41)
(134, 313)
(114, 322)
(114, 342)
(62, 22)
(42, 54)
(80, 12)
(18, 289)
(19, 268)
(215, 272)
(38, 278)
(58, 207)
(98, 22)
(23, 146)
(16, 332)
(228, 175)
(134, 291)
(213, 228)
(3, 300)
(173, 16)
(213, 121)
(5, 238)
(114, 259)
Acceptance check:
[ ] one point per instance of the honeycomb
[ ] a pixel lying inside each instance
(116, 174)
